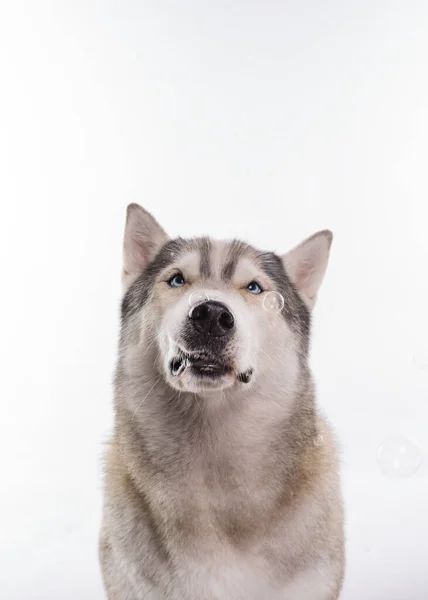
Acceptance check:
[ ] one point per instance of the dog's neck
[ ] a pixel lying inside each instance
(176, 432)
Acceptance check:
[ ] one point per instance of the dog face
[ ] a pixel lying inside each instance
(210, 315)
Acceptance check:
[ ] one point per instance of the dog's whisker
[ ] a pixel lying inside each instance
(148, 393)
(197, 401)
(156, 336)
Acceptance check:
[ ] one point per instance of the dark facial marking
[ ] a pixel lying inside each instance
(137, 294)
(204, 246)
(295, 310)
(235, 251)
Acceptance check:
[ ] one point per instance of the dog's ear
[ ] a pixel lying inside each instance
(142, 240)
(306, 265)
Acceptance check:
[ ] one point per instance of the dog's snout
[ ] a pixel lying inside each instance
(212, 318)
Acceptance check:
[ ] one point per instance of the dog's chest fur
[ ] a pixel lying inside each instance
(200, 563)
(200, 539)
(242, 577)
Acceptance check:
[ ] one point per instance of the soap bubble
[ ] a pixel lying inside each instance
(420, 362)
(198, 297)
(273, 302)
(398, 457)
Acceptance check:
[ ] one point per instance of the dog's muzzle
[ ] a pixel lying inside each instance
(211, 320)
(209, 327)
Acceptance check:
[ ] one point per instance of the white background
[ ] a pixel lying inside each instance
(267, 120)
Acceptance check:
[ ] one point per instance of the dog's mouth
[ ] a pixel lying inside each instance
(205, 367)
(210, 369)
(199, 365)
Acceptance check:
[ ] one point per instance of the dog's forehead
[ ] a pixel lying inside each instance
(217, 259)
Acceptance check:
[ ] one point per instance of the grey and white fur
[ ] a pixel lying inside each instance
(221, 477)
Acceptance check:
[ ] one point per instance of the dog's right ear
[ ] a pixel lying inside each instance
(143, 238)
(306, 265)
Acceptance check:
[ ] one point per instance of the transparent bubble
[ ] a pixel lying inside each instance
(273, 302)
(420, 362)
(399, 457)
(198, 297)
(318, 440)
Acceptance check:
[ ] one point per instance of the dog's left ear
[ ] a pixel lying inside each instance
(143, 238)
(306, 265)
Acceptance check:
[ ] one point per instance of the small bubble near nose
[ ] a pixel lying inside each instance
(198, 297)
(273, 302)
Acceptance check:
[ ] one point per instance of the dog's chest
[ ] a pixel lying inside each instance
(246, 578)
(225, 576)
(210, 567)
(217, 570)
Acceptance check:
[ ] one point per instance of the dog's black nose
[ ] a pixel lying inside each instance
(212, 318)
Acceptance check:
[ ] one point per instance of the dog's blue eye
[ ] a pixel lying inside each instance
(254, 287)
(176, 281)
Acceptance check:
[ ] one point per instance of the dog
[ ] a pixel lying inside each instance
(221, 478)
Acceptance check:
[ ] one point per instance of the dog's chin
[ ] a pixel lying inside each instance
(200, 374)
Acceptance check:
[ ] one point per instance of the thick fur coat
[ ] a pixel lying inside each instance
(221, 477)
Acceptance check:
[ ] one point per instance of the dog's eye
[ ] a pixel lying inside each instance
(254, 287)
(177, 280)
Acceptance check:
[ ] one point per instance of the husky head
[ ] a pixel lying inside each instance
(202, 315)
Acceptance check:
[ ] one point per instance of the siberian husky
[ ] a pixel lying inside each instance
(221, 477)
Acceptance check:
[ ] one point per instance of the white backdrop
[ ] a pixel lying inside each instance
(266, 120)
